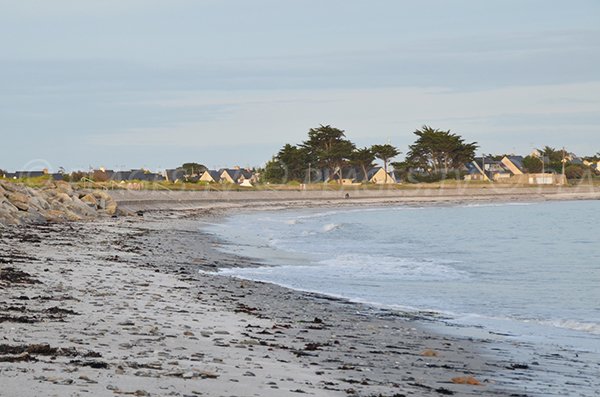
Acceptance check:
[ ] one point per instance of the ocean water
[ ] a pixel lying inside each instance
(528, 271)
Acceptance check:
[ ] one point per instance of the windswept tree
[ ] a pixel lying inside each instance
(385, 153)
(274, 172)
(552, 158)
(329, 147)
(192, 169)
(438, 151)
(294, 160)
(533, 164)
(363, 158)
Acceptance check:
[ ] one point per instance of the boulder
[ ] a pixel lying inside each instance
(63, 198)
(19, 200)
(111, 207)
(8, 218)
(79, 207)
(7, 205)
(9, 187)
(55, 202)
(64, 187)
(39, 202)
(90, 200)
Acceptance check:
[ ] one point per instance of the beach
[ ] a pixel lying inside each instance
(133, 306)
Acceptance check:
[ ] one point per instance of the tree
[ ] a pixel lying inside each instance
(574, 171)
(532, 164)
(363, 158)
(274, 172)
(439, 151)
(192, 169)
(294, 160)
(329, 147)
(385, 153)
(552, 158)
(99, 176)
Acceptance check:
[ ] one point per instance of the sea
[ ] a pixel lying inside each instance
(526, 272)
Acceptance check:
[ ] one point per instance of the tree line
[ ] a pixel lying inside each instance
(435, 152)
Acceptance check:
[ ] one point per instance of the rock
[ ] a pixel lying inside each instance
(63, 198)
(111, 207)
(9, 187)
(79, 207)
(56, 202)
(39, 202)
(64, 187)
(90, 200)
(188, 375)
(19, 200)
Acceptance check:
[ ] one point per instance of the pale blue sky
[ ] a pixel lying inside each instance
(155, 83)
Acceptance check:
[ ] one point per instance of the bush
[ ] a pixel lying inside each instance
(433, 177)
(574, 171)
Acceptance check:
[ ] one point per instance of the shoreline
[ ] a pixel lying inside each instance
(331, 347)
(189, 200)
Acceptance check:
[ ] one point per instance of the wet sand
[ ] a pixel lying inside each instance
(118, 307)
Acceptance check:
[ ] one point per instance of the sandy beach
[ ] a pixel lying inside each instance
(133, 306)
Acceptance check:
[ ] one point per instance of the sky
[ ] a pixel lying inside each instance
(155, 83)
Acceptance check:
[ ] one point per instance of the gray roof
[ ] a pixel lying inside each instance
(236, 174)
(214, 174)
(175, 174)
(518, 162)
(26, 174)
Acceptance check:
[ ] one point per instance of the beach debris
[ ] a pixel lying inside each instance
(91, 364)
(514, 366)
(11, 275)
(41, 350)
(429, 353)
(312, 346)
(466, 380)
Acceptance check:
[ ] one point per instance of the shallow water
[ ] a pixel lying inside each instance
(531, 271)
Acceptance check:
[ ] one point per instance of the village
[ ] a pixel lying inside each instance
(507, 169)
(329, 157)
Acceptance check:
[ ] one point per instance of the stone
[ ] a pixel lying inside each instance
(111, 207)
(90, 200)
(63, 198)
(39, 202)
(64, 187)
(19, 200)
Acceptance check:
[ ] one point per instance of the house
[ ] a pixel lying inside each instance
(378, 175)
(487, 169)
(348, 176)
(210, 176)
(26, 174)
(514, 164)
(121, 176)
(234, 175)
(175, 175)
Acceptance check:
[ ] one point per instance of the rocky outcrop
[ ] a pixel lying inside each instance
(55, 202)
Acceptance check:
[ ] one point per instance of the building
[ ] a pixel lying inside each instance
(377, 175)
(210, 176)
(235, 175)
(514, 164)
(175, 175)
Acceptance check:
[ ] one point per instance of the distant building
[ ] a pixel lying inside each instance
(175, 175)
(377, 175)
(210, 176)
(235, 175)
(514, 164)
